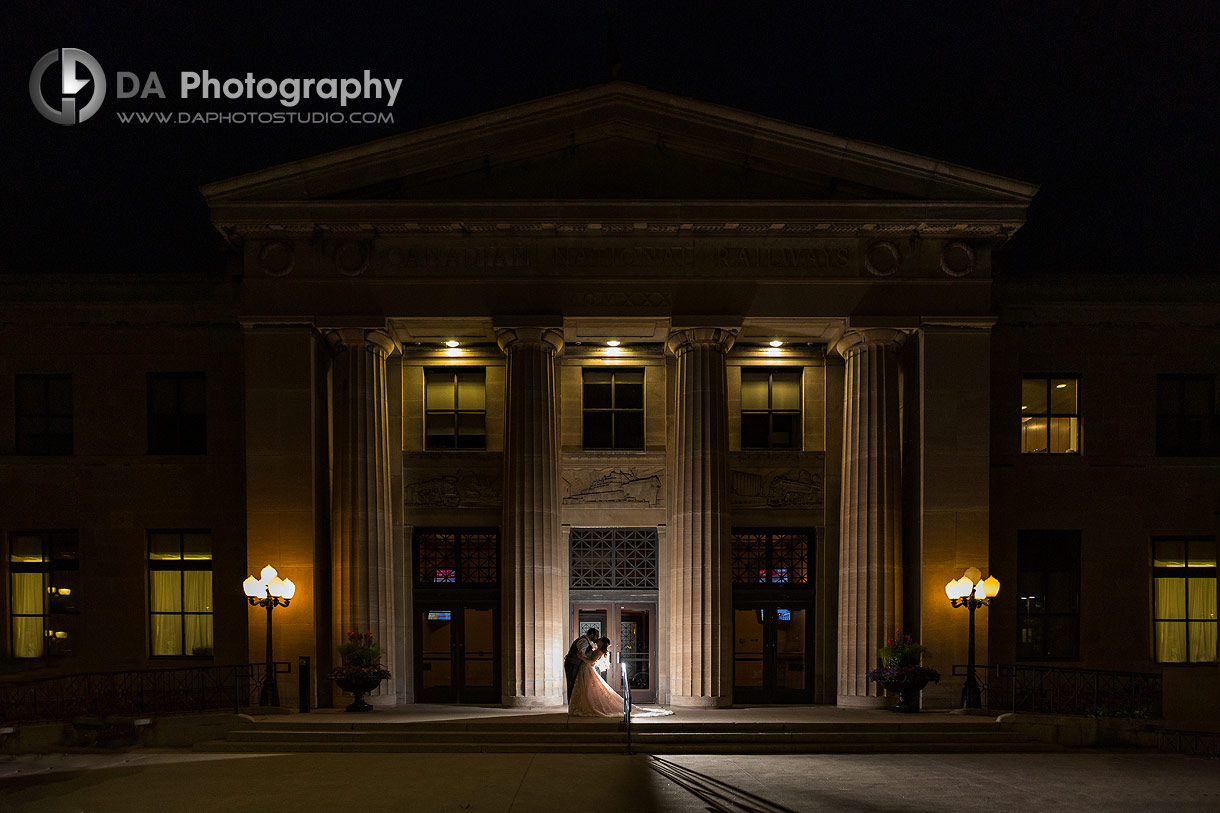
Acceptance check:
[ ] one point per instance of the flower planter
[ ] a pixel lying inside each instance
(908, 694)
(358, 686)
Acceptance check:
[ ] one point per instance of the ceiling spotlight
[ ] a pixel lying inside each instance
(1060, 386)
(451, 343)
(614, 343)
(775, 343)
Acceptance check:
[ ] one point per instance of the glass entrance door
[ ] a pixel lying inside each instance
(631, 628)
(457, 652)
(771, 662)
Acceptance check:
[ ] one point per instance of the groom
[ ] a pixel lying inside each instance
(579, 651)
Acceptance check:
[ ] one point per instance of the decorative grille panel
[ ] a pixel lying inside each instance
(771, 557)
(613, 557)
(456, 558)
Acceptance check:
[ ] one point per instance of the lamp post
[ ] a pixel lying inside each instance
(972, 592)
(271, 591)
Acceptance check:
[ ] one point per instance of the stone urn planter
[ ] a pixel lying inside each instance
(901, 673)
(358, 685)
(908, 694)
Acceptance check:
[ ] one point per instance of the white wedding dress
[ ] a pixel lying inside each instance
(593, 697)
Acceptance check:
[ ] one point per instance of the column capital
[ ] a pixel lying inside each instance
(542, 338)
(855, 339)
(374, 339)
(713, 338)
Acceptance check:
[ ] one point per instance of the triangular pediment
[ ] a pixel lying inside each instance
(618, 141)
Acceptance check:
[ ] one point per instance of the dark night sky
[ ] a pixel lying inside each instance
(1111, 108)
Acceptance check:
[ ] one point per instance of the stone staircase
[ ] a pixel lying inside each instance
(609, 736)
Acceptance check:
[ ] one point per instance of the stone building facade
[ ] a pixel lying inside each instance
(731, 390)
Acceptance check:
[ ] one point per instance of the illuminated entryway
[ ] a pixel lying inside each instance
(613, 587)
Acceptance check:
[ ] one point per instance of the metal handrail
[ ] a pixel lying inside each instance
(626, 704)
(175, 690)
(1064, 690)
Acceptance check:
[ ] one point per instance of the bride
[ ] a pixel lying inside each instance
(593, 697)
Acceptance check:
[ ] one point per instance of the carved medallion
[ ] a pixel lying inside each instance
(882, 258)
(276, 258)
(957, 259)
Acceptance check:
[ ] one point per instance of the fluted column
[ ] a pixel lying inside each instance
(361, 550)
(534, 597)
(700, 597)
(870, 556)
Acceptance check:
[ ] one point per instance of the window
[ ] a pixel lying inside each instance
(1050, 416)
(1187, 424)
(613, 557)
(447, 557)
(180, 593)
(1048, 595)
(44, 568)
(177, 413)
(455, 411)
(771, 557)
(1184, 612)
(613, 402)
(44, 414)
(770, 409)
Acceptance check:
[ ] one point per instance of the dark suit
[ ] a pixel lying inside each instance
(571, 662)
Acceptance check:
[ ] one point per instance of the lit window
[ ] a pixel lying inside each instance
(180, 593)
(177, 414)
(770, 409)
(613, 409)
(457, 557)
(44, 414)
(1048, 595)
(43, 570)
(455, 408)
(1050, 415)
(1187, 423)
(1184, 615)
(771, 557)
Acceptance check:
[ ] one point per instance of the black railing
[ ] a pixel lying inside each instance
(136, 692)
(1056, 690)
(1190, 743)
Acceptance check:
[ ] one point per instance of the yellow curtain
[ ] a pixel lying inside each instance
(166, 605)
(1171, 636)
(1202, 606)
(29, 593)
(197, 598)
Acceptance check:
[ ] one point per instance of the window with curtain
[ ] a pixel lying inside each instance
(44, 414)
(1184, 580)
(1048, 595)
(1050, 415)
(770, 409)
(612, 404)
(455, 408)
(44, 568)
(180, 593)
(1187, 420)
(177, 413)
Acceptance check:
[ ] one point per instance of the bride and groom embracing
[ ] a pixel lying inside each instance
(588, 693)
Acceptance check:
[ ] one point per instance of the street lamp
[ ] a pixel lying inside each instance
(271, 591)
(971, 592)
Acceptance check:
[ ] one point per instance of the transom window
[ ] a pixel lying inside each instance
(1187, 423)
(44, 414)
(448, 557)
(1048, 595)
(180, 593)
(44, 576)
(613, 557)
(613, 408)
(455, 408)
(771, 557)
(1184, 617)
(770, 409)
(177, 413)
(1050, 415)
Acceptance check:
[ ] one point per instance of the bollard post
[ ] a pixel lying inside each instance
(303, 684)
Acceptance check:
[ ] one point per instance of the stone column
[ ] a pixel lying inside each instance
(361, 539)
(870, 556)
(700, 592)
(534, 597)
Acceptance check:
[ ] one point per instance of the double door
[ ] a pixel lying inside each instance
(631, 628)
(771, 651)
(457, 652)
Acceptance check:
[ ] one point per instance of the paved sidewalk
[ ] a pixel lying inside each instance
(537, 783)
